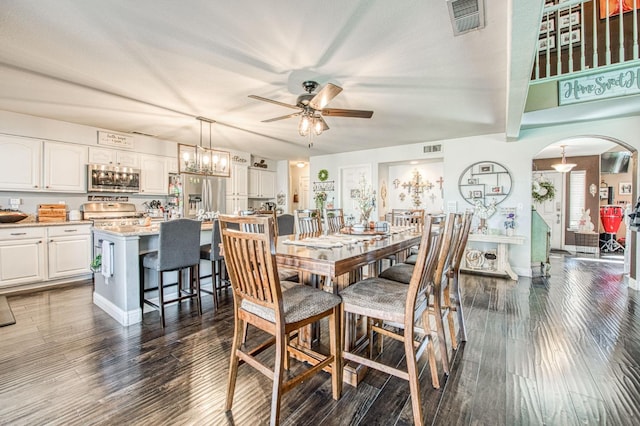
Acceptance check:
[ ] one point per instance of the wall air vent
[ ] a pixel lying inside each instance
(432, 148)
(466, 15)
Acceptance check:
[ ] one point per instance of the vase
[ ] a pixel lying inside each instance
(509, 232)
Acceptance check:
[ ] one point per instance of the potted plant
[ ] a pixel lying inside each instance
(96, 263)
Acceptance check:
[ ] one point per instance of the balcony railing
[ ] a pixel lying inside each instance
(582, 35)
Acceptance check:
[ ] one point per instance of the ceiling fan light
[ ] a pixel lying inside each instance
(317, 126)
(304, 126)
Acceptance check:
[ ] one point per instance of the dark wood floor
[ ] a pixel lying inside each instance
(561, 352)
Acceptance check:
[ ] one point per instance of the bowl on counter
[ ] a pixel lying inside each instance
(11, 216)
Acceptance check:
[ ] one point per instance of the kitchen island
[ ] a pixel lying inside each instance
(117, 289)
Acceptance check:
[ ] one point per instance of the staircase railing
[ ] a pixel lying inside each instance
(582, 35)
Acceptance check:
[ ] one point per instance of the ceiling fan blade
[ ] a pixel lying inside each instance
(282, 117)
(271, 101)
(336, 112)
(328, 92)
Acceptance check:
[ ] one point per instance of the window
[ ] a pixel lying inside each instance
(577, 184)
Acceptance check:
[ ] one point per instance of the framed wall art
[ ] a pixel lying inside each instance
(624, 188)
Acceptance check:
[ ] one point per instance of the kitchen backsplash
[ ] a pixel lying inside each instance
(30, 201)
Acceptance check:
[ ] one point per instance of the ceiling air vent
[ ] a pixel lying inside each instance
(432, 148)
(466, 15)
(135, 132)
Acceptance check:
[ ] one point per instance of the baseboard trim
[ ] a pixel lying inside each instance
(126, 318)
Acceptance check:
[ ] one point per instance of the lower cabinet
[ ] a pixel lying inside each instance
(43, 253)
(22, 255)
(68, 251)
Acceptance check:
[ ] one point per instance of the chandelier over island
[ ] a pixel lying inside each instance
(201, 160)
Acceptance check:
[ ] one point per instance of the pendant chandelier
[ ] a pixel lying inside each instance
(563, 166)
(201, 160)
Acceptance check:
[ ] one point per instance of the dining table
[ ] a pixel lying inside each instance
(333, 262)
(338, 259)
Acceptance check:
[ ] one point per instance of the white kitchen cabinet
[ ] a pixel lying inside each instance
(22, 255)
(262, 184)
(172, 165)
(237, 182)
(154, 178)
(235, 203)
(23, 166)
(68, 251)
(20, 163)
(65, 167)
(114, 157)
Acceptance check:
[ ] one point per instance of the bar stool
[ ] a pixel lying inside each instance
(211, 252)
(178, 249)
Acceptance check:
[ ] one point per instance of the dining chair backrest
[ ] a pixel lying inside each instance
(460, 243)
(273, 214)
(333, 220)
(257, 227)
(421, 282)
(404, 217)
(250, 258)
(178, 244)
(451, 230)
(307, 221)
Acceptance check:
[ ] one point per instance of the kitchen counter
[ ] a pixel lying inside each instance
(140, 230)
(23, 223)
(118, 291)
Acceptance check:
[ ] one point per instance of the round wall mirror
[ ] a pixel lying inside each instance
(486, 181)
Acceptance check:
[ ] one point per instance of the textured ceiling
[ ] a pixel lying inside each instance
(153, 66)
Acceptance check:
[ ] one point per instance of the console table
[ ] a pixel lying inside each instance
(492, 261)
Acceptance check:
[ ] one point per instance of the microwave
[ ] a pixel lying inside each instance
(107, 178)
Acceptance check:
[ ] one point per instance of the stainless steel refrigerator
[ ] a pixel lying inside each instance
(190, 194)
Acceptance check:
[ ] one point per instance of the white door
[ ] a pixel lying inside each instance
(552, 211)
(303, 189)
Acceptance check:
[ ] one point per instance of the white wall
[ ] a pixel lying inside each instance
(458, 154)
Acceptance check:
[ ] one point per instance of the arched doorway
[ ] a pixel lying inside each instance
(579, 190)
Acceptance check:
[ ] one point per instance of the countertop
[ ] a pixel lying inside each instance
(24, 223)
(139, 230)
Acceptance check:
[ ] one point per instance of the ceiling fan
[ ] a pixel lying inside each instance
(311, 108)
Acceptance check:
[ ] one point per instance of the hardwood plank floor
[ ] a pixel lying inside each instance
(562, 351)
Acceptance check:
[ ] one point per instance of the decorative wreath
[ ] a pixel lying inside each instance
(542, 191)
(323, 175)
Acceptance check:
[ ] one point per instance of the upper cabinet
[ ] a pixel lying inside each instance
(35, 165)
(237, 183)
(20, 163)
(153, 175)
(114, 157)
(262, 183)
(65, 167)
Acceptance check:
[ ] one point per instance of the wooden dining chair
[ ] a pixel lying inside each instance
(307, 221)
(333, 220)
(405, 217)
(456, 229)
(405, 306)
(260, 300)
(452, 300)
